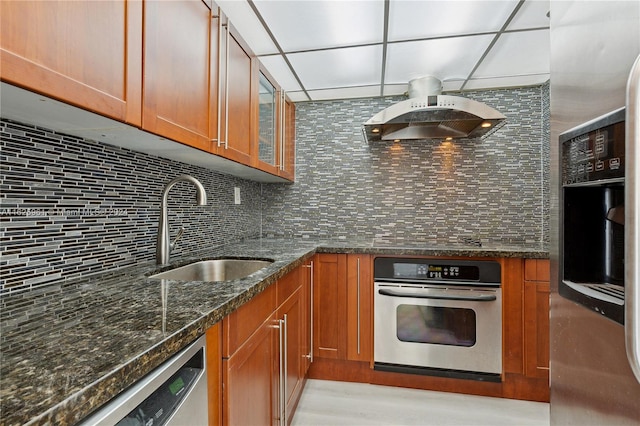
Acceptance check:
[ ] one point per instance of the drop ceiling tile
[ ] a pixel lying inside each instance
(426, 19)
(514, 54)
(245, 21)
(345, 93)
(395, 89)
(302, 25)
(506, 81)
(297, 96)
(532, 14)
(279, 69)
(446, 59)
(338, 67)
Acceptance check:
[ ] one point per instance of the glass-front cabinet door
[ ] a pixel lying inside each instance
(267, 149)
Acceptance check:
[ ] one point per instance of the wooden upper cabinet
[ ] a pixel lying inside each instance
(84, 53)
(238, 113)
(180, 71)
(269, 104)
(288, 147)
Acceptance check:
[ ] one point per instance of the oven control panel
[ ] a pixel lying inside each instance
(425, 270)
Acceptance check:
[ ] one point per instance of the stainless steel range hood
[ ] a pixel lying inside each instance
(429, 115)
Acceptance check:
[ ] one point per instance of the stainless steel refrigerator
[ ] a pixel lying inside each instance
(594, 376)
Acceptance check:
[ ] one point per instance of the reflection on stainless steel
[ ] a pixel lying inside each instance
(591, 380)
(214, 270)
(163, 243)
(632, 243)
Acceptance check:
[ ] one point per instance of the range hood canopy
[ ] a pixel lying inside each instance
(429, 115)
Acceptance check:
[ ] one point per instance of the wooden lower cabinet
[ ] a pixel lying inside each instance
(330, 306)
(343, 307)
(250, 379)
(525, 330)
(536, 318)
(359, 307)
(263, 355)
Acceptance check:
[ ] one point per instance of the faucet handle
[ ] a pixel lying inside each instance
(180, 232)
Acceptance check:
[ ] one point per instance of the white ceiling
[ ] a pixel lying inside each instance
(337, 49)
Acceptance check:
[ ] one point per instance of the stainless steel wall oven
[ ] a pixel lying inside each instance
(438, 317)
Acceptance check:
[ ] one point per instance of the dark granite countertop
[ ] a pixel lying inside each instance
(67, 348)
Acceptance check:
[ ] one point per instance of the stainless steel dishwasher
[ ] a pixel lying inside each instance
(173, 394)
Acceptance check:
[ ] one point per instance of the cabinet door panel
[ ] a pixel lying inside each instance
(293, 310)
(250, 380)
(238, 117)
(178, 97)
(61, 49)
(359, 308)
(289, 145)
(330, 311)
(536, 329)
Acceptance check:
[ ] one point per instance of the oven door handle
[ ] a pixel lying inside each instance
(441, 296)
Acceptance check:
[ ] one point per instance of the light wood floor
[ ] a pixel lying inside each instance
(339, 403)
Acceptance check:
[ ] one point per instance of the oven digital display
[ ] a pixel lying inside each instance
(433, 271)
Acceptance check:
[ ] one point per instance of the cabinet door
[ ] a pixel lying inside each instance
(250, 377)
(288, 155)
(268, 125)
(85, 53)
(291, 312)
(359, 308)
(214, 373)
(536, 318)
(238, 121)
(307, 332)
(179, 97)
(330, 308)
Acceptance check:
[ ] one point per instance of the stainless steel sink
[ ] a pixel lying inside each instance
(214, 270)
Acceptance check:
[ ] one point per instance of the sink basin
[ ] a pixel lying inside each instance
(214, 270)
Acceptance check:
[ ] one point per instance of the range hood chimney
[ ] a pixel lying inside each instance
(428, 115)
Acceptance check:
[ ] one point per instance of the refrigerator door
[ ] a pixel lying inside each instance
(593, 48)
(632, 221)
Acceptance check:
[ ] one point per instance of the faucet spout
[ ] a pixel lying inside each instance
(163, 243)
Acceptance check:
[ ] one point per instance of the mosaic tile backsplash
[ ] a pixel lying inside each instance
(492, 190)
(71, 207)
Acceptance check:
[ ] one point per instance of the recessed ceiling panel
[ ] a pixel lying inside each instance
(521, 53)
(426, 19)
(450, 58)
(345, 93)
(507, 81)
(532, 14)
(315, 24)
(348, 67)
(246, 22)
(279, 69)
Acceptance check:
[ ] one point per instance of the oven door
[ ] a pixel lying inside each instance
(438, 327)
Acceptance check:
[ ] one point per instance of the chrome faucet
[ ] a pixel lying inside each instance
(164, 244)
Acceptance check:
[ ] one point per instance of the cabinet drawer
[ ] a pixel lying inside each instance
(287, 285)
(242, 323)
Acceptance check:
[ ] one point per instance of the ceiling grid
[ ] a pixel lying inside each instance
(342, 49)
